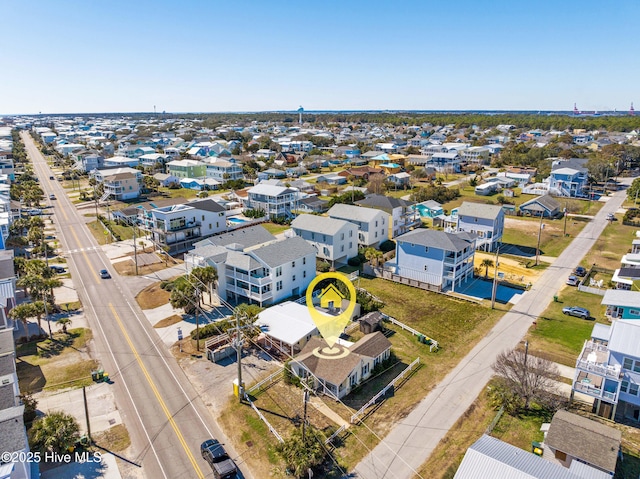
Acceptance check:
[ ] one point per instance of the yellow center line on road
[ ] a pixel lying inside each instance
(86, 258)
(157, 394)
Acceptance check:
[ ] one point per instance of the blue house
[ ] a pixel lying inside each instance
(608, 370)
(622, 304)
(568, 181)
(485, 221)
(434, 257)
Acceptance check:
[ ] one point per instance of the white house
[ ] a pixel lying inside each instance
(278, 201)
(485, 221)
(264, 273)
(334, 240)
(373, 224)
(120, 161)
(179, 226)
(403, 216)
(286, 326)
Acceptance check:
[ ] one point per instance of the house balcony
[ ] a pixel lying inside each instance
(594, 359)
(185, 226)
(257, 280)
(596, 386)
(247, 293)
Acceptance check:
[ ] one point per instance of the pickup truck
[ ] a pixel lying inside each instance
(222, 465)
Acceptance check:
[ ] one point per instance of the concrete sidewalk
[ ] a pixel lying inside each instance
(412, 440)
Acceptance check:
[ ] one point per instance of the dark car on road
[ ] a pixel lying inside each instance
(577, 311)
(580, 271)
(104, 274)
(222, 465)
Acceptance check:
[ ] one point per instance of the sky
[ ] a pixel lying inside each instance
(82, 56)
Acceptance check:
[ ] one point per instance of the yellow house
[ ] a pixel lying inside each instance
(331, 297)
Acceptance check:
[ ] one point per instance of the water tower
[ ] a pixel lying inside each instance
(300, 111)
(632, 112)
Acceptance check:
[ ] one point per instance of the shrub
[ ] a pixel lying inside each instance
(322, 266)
(355, 261)
(388, 245)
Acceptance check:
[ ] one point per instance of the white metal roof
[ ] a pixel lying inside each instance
(625, 337)
(621, 297)
(288, 322)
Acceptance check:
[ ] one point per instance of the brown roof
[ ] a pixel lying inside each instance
(361, 171)
(588, 440)
(372, 345)
(336, 371)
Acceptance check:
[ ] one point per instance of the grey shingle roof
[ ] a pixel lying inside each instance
(385, 203)
(13, 436)
(489, 457)
(545, 200)
(6, 264)
(318, 224)
(353, 213)
(437, 239)
(241, 261)
(333, 370)
(6, 342)
(479, 210)
(207, 205)
(585, 439)
(248, 237)
(280, 252)
(371, 345)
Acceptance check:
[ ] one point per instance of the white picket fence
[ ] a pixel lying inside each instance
(415, 332)
(272, 378)
(264, 419)
(356, 416)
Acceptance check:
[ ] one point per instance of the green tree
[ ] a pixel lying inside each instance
(206, 276)
(300, 454)
(486, 263)
(22, 313)
(55, 432)
(64, 323)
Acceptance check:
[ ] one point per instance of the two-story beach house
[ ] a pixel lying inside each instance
(187, 169)
(254, 266)
(179, 226)
(485, 221)
(276, 201)
(224, 170)
(334, 240)
(403, 216)
(434, 257)
(373, 224)
(608, 370)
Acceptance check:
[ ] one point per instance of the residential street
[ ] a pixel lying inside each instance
(166, 419)
(410, 442)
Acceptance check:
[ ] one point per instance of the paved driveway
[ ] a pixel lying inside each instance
(412, 440)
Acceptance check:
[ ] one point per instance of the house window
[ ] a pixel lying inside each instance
(376, 223)
(217, 225)
(293, 264)
(627, 363)
(636, 366)
(365, 370)
(350, 233)
(304, 260)
(202, 217)
(342, 236)
(633, 389)
(426, 267)
(624, 387)
(313, 236)
(278, 285)
(278, 271)
(426, 249)
(350, 245)
(353, 380)
(561, 456)
(376, 234)
(294, 278)
(304, 274)
(475, 220)
(210, 225)
(634, 312)
(342, 249)
(324, 238)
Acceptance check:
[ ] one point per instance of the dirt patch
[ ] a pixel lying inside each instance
(513, 270)
(128, 268)
(115, 439)
(152, 296)
(163, 323)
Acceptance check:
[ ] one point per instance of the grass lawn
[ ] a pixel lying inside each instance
(274, 228)
(115, 439)
(177, 193)
(559, 337)
(614, 242)
(524, 232)
(54, 364)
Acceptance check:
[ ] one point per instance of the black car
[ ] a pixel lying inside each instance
(580, 271)
(222, 465)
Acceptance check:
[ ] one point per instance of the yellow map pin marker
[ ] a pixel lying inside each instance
(331, 326)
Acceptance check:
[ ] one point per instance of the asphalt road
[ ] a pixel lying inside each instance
(165, 418)
(411, 441)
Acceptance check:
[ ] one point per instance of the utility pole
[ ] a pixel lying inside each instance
(239, 356)
(86, 413)
(46, 315)
(539, 234)
(135, 247)
(494, 288)
(305, 399)
(565, 219)
(197, 320)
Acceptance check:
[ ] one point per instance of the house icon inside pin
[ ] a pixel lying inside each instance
(331, 297)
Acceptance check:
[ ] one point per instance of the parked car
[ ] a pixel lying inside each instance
(577, 312)
(580, 271)
(222, 465)
(611, 217)
(573, 280)
(57, 268)
(104, 274)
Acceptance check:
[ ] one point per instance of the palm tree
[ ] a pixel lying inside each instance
(486, 263)
(64, 323)
(22, 313)
(373, 255)
(55, 432)
(187, 296)
(207, 276)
